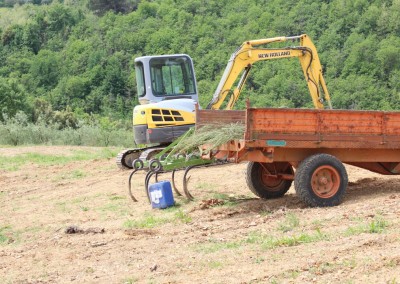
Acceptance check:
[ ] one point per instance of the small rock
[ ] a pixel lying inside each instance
(97, 244)
(154, 268)
(73, 230)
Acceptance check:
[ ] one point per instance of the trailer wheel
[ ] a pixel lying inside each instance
(262, 181)
(321, 180)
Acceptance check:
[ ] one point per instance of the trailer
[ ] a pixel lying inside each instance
(309, 147)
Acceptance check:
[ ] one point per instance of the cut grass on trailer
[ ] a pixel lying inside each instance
(212, 136)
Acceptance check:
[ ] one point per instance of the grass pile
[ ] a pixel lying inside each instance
(212, 136)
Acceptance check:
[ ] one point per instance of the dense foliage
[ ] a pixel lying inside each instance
(71, 61)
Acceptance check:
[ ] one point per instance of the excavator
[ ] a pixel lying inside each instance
(167, 91)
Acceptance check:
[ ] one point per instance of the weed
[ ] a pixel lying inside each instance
(273, 280)
(183, 217)
(89, 270)
(84, 208)
(215, 264)
(79, 200)
(391, 263)
(75, 174)
(351, 263)
(62, 206)
(116, 204)
(116, 197)
(18, 130)
(3, 234)
(255, 237)
(291, 240)
(130, 280)
(291, 222)
(15, 162)
(376, 226)
(266, 212)
(204, 185)
(293, 273)
(149, 221)
(114, 207)
(269, 242)
(259, 260)
(7, 235)
(214, 246)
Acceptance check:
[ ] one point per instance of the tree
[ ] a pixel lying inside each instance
(13, 97)
(100, 7)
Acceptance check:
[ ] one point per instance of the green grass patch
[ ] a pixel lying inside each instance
(8, 235)
(214, 246)
(376, 226)
(16, 162)
(84, 208)
(148, 221)
(116, 197)
(291, 222)
(270, 242)
(263, 240)
(130, 280)
(182, 217)
(215, 264)
(151, 221)
(204, 186)
(70, 175)
(115, 207)
(63, 207)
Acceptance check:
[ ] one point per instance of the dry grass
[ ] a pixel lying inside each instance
(211, 135)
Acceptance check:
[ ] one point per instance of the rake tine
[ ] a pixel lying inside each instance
(146, 184)
(185, 183)
(130, 186)
(174, 185)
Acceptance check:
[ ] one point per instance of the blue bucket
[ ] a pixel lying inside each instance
(161, 195)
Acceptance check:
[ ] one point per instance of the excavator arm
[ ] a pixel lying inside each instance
(249, 52)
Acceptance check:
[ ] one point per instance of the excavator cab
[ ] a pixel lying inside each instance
(165, 77)
(167, 93)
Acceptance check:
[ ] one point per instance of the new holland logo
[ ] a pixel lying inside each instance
(274, 54)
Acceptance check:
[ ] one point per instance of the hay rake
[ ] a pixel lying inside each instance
(169, 160)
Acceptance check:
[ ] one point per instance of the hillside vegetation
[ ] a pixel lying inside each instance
(71, 62)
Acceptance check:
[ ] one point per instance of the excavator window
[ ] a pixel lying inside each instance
(141, 89)
(172, 76)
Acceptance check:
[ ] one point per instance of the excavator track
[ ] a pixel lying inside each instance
(125, 158)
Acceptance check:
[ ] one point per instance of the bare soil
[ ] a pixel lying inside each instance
(75, 222)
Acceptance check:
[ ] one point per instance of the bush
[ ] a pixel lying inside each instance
(18, 131)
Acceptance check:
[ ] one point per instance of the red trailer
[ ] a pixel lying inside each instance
(314, 142)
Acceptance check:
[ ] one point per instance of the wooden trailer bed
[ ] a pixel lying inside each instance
(277, 140)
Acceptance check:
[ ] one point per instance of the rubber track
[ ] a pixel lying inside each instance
(120, 159)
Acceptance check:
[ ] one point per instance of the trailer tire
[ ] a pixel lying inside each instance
(264, 186)
(321, 180)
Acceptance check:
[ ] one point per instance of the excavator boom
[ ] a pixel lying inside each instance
(250, 52)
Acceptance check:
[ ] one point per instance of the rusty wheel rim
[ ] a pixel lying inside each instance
(269, 181)
(325, 181)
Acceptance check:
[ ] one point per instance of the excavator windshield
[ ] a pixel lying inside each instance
(172, 77)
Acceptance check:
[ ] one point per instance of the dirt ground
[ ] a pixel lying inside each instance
(75, 222)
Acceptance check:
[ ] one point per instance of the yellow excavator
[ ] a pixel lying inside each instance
(167, 90)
